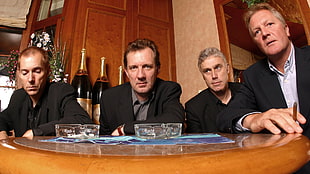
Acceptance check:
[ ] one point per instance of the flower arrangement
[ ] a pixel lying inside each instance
(252, 2)
(11, 65)
(56, 55)
(42, 41)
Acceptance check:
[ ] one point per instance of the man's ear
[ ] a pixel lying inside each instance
(158, 70)
(126, 72)
(228, 68)
(287, 30)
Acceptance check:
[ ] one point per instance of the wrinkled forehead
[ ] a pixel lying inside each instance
(144, 56)
(31, 60)
(211, 61)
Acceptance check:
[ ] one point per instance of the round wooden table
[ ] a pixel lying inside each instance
(249, 153)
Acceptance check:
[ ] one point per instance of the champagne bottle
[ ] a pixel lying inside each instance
(81, 84)
(102, 83)
(120, 75)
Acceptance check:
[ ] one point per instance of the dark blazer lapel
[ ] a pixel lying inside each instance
(23, 116)
(303, 81)
(208, 107)
(125, 109)
(271, 89)
(152, 111)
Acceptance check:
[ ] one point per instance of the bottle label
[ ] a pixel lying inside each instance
(86, 105)
(96, 113)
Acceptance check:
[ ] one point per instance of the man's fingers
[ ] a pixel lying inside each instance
(271, 126)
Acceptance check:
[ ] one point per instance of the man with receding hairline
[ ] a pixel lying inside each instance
(39, 105)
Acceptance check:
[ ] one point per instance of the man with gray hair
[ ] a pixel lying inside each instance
(202, 109)
(273, 85)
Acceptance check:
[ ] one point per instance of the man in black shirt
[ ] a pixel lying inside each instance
(202, 109)
(39, 105)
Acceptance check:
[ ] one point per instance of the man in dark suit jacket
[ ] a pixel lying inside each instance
(271, 85)
(262, 92)
(145, 99)
(202, 109)
(39, 105)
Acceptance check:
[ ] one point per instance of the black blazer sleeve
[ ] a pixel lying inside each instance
(261, 91)
(10, 114)
(62, 108)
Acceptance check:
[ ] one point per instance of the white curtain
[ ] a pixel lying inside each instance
(13, 12)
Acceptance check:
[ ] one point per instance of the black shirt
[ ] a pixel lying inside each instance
(202, 109)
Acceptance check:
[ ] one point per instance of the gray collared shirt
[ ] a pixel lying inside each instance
(140, 108)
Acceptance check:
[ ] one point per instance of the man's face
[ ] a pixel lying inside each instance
(215, 73)
(269, 33)
(33, 75)
(141, 71)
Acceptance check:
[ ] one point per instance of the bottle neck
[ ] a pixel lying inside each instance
(120, 75)
(82, 68)
(103, 73)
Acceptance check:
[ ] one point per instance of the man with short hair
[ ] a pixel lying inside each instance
(272, 85)
(202, 109)
(145, 98)
(39, 105)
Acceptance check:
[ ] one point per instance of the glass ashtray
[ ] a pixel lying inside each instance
(158, 130)
(81, 131)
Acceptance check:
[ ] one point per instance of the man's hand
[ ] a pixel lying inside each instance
(28, 134)
(3, 135)
(119, 131)
(273, 120)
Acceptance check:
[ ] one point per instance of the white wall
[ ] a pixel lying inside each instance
(5, 92)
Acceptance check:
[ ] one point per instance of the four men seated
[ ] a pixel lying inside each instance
(263, 104)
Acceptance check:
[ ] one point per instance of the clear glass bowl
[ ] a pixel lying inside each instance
(158, 130)
(82, 131)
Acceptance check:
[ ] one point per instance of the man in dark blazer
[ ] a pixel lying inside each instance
(272, 85)
(145, 98)
(35, 108)
(202, 109)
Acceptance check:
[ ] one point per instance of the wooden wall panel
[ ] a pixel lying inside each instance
(121, 4)
(155, 21)
(156, 9)
(101, 29)
(161, 36)
(105, 36)
(105, 27)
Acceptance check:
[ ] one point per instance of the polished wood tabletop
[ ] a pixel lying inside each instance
(249, 153)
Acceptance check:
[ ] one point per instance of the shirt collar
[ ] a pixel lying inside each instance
(289, 64)
(135, 99)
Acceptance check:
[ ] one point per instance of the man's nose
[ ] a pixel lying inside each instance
(213, 74)
(141, 73)
(265, 32)
(30, 77)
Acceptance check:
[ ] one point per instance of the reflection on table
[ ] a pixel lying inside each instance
(250, 153)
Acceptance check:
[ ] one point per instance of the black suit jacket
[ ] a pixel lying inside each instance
(202, 109)
(58, 105)
(116, 107)
(262, 92)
